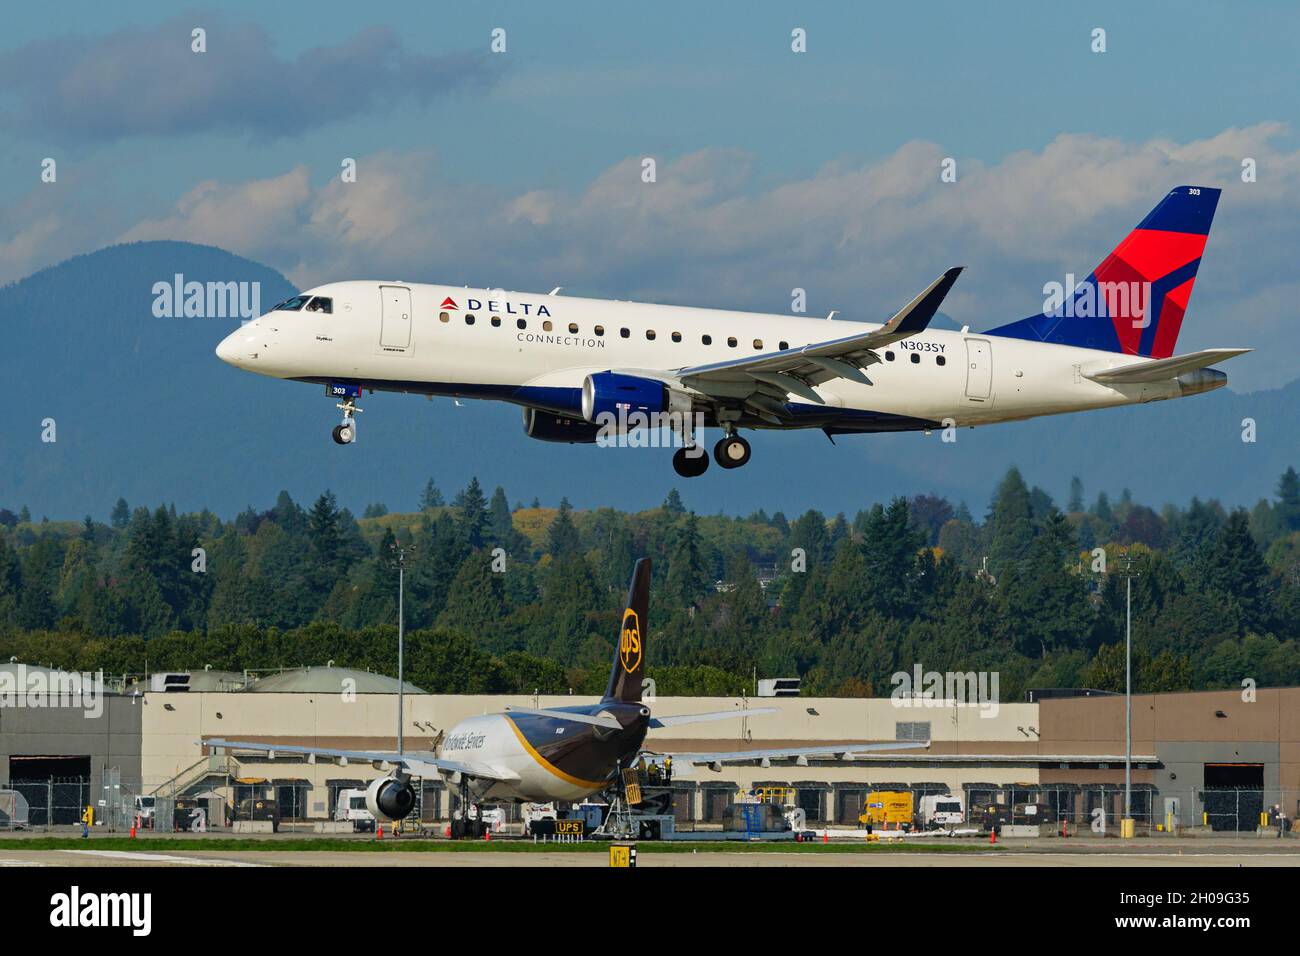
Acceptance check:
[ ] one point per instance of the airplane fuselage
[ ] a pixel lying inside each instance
(536, 350)
(546, 758)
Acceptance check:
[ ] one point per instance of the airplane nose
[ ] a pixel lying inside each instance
(227, 349)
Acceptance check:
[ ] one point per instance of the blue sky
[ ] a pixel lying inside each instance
(776, 169)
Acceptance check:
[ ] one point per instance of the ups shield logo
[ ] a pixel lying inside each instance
(629, 647)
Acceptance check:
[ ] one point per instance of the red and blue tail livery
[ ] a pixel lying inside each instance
(1134, 302)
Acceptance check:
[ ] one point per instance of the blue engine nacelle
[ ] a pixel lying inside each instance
(609, 393)
(547, 426)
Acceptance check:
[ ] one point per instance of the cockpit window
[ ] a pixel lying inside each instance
(321, 304)
(292, 305)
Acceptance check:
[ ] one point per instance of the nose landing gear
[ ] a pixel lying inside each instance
(345, 433)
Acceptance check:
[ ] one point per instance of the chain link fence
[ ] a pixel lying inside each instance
(1082, 809)
(1073, 810)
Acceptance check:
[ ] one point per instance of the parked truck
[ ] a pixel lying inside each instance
(888, 810)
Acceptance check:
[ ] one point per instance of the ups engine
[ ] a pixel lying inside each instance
(390, 799)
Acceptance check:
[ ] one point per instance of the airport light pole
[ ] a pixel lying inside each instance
(1128, 574)
(398, 561)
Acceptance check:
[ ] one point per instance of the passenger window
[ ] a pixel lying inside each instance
(599, 330)
(940, 360)
(916, 359)
(496, 321)
(706, 339)
(469, 318)
(624, 332)
(650, 335)
(321, 304)
(444, 317)
(521, 323)
(546, 326)
(677, 336)
(889, 356)
(731, 341)
(758, 343)
(573, 328)
(783, 345)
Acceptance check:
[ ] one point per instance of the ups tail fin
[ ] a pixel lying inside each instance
(1134, 301)
(629, 655)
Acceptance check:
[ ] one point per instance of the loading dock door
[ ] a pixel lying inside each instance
(395, 330)
(979, 370)
(57, 788)
(1233, 796)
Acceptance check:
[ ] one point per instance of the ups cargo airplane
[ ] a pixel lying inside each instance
(590, 369)
(562, 753)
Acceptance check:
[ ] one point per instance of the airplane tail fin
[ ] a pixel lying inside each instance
(629, 656)
(1135, 300)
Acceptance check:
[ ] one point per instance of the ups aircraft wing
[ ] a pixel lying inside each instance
(840, 751)
(417, 763)
(769, 378)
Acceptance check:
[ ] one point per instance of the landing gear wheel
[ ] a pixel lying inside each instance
(343, 434)
(690, 466)
(731, 451)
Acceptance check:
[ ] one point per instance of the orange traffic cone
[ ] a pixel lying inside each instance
(379, 832)
(993, 836)
(826, 836)
(487, 834)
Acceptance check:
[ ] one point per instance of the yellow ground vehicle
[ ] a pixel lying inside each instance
(887, 810)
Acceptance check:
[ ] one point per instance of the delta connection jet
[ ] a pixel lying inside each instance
(588, 369)
(563, 753)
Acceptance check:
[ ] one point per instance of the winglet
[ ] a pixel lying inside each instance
(917, 314)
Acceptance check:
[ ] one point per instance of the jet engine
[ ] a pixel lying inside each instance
(614, 394)
(389, 798)
(547, 426)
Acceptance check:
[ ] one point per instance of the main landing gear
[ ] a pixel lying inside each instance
(731, 451)
(346, 432)
(691, 461)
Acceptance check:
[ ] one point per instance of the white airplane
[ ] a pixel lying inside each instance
(584, 369)
(564, 753)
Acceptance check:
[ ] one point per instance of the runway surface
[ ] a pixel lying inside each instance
(12, 855)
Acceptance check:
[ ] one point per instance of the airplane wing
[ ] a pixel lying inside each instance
(417, 763)
(768, 379)
(596, 720)
(841, 751)
(677, 721)
(1161, 369)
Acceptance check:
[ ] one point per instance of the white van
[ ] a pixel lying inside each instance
(351, 808)
(942, 810)
(145, 808)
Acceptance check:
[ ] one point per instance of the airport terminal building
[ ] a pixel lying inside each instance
(1199, 758)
